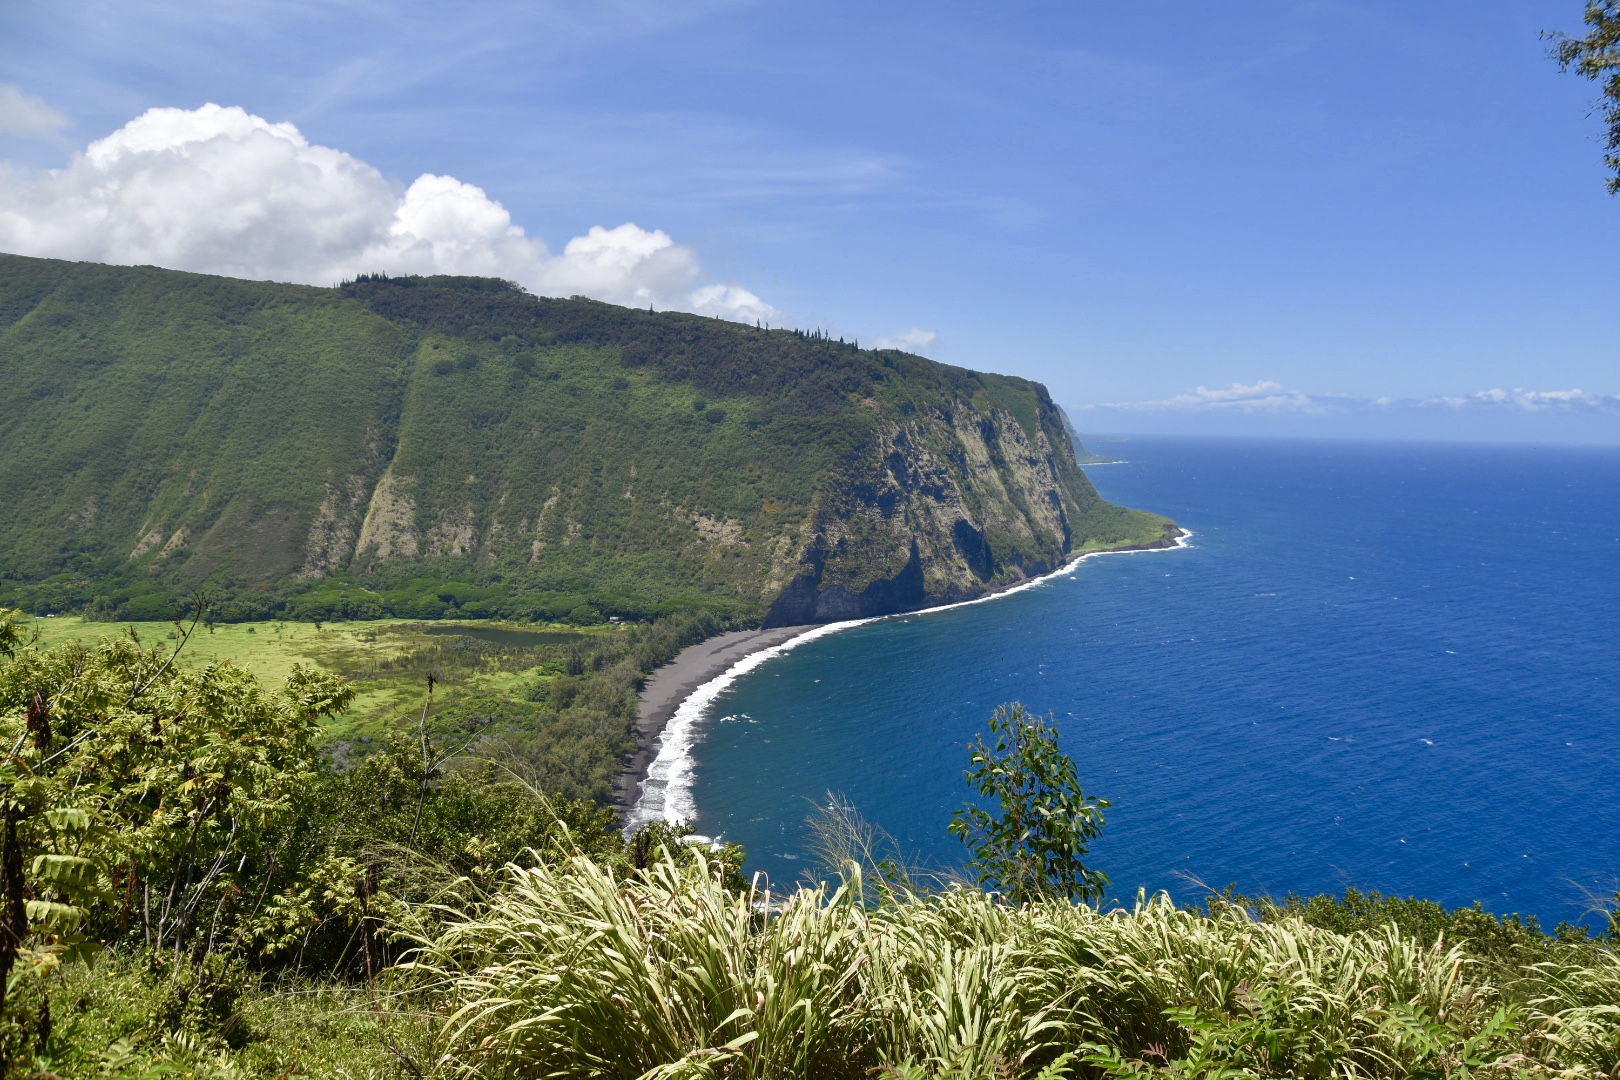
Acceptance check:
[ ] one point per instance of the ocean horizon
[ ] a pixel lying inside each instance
(1382, 666)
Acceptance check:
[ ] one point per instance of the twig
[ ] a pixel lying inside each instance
(427, 770)
(83, 735)
(185, 636)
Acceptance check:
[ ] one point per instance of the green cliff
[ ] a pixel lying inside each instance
(429, 447)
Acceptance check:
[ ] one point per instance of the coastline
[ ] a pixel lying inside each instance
(676, 694)
(672, 684)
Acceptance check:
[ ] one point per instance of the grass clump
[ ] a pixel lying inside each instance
(571, 971)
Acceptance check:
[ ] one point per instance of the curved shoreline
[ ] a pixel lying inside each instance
(669, 686)
(677, 694)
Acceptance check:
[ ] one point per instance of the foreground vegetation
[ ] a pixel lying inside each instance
(556, 703)
(574, 968)
(189, 886)
(185, 830)
(1596, 56)
(571, 970)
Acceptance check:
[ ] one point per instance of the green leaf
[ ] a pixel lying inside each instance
(69, 819)
(65, 873)
(53, 917)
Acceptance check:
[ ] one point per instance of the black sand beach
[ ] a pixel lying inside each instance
(674, 682)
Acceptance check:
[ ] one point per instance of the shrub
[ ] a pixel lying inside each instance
(1033, 844)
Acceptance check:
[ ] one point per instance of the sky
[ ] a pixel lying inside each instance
(1182, 217)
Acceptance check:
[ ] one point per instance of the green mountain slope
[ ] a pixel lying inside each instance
(422, 447)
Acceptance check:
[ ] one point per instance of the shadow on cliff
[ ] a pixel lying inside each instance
(805, 601)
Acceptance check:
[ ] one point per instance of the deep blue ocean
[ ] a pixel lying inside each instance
(1388, 666)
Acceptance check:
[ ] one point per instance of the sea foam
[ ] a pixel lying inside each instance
(666, 793)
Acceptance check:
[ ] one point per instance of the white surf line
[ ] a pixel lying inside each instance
(1033, 583)
(666, 793)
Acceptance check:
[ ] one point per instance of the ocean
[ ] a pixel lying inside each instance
(1387, 666)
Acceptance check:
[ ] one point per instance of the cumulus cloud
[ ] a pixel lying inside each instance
(732, 302)
(912, 340)
(221, 191)
(26, 115)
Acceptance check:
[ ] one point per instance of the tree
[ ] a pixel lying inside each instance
(1597, 57)
(1035, 847)
(147, 797)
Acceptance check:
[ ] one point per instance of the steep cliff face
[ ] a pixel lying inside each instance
(947, 506)
(420, 447)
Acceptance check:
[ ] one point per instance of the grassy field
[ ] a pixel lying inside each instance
(389, 659)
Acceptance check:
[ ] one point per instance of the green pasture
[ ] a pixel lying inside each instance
(388, 659)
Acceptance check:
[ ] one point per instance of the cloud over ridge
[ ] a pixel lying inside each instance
(913, 340)
(219, 190)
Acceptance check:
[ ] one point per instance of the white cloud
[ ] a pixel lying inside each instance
(219, 190)
(1268, 408)
(1266, 396)
(26, 115)
(1262, 396)
(732, 302)
(908, 340)
(1530, 400)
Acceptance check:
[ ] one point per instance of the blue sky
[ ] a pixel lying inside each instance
(1125, 200)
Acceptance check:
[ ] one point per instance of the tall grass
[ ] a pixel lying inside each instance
(570, 971)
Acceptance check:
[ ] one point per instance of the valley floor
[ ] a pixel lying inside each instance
(388, 659)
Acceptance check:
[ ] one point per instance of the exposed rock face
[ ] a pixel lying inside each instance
(808, 600)
(933, 507)
(332, 534)
(389, 529)
(942, 508)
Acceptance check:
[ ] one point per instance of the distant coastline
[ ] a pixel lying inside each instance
(683, 688)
